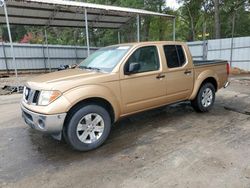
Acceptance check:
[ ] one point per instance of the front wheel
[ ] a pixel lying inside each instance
(87, 128)
(205, 98)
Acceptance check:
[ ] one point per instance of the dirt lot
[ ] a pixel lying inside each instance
(168, 147)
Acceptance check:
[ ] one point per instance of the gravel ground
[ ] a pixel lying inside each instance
(168, 147)
(13, 81)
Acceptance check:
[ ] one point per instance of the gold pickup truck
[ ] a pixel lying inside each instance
(80, 105)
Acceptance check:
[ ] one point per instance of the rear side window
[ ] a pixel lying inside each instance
(174, 55)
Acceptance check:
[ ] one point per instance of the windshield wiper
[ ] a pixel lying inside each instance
(90, 68)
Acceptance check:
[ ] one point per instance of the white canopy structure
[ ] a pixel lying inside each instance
(64, 13)
(61, 13)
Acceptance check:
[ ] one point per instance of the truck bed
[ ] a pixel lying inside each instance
(218, 67)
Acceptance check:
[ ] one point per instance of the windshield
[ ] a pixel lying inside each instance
(105, 59)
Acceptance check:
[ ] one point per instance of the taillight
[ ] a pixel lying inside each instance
(228, 68)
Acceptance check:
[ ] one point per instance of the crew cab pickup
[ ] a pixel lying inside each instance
(80, 105)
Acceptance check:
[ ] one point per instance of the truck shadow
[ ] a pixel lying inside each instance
(33, 149)
(126, 133)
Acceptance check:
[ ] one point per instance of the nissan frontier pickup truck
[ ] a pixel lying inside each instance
(80, 105)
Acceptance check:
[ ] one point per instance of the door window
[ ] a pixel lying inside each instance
(147, 57)
(174, 55)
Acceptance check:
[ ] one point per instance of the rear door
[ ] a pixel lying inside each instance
(180, 73)
(147, 87)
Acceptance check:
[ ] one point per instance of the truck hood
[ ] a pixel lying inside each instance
(67, 79)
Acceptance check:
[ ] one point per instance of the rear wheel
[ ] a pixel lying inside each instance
(205, 98)
(87, 128)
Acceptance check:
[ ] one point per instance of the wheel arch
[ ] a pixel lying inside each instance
(200, 82)
(98, 94)
(93, 100)
(211, 80)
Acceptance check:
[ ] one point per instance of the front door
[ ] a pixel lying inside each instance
(145, 88)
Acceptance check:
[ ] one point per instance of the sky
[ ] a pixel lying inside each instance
(172, 4)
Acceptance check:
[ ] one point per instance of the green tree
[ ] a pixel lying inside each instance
(17, 33)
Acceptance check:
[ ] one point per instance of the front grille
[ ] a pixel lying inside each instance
(31, 96)
(26, 93)
(36, 96)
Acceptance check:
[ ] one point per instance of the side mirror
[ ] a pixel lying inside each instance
(133, 68)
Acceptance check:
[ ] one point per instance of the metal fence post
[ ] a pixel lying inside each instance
(76, 56)
(119, 37)
(138, 27)
(86, 29)
(232, 41)
(75, 33)
(11, 43)
(204, 50)
(44, 58)
(48, 57)
(174, 29)
(5, 59)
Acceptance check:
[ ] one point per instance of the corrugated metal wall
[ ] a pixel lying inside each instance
(35, 56)
(221, 49)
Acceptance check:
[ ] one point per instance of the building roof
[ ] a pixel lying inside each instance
(64, 13)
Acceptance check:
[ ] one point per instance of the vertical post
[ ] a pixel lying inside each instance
(75, 33)
(44, 58)
(204, 55)
(232, 40)
(10, 39)
(119, 37)
(138, 27)
(47, 47)
(5, 59)
(76, 54)
(174, 29)
(86, 29)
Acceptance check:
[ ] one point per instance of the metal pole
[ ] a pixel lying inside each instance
(11, 44)
(119, 37)
(76, 54)
(47, 46)
(174, 29)
(204, 56)
(138, 27)
(86, 29)
(75, 33)
(5, 59)
(232, 40)
(44, 58)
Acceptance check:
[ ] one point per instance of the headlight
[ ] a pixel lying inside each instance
(47, 97)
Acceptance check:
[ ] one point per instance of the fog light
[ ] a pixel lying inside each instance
(41, 124)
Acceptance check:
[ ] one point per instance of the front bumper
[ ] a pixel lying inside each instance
(52, 124)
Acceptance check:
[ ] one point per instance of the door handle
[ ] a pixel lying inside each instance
(187, 72)
(160, 76)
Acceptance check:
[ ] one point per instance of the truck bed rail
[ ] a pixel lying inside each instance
(208, 62)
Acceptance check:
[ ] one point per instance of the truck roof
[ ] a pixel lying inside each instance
(152, 43)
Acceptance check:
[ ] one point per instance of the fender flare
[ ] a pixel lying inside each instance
(81, 93)
(200, 79)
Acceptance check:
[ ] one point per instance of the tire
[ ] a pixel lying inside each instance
(200, 104)
(87, 127)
